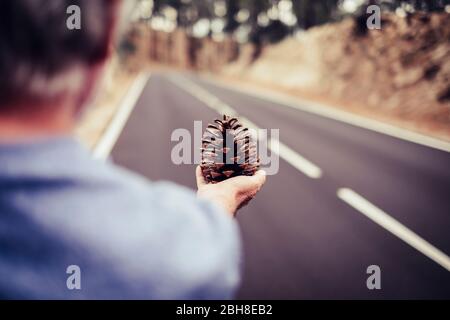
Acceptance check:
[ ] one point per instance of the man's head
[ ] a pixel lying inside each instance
(43, 63)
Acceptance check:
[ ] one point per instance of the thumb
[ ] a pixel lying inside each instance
(248, 183)
(259, 178)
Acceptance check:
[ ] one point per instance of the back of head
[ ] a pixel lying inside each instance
(41, 55)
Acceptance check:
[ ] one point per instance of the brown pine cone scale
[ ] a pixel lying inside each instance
(228, 150)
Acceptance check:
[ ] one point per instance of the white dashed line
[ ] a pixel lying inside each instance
(338, 115)
(349, 196)
(390, 224)
(308, 168)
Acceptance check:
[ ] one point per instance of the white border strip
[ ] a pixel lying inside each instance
(339, 115)
(283, 151)
(103, 148)
(390, 224)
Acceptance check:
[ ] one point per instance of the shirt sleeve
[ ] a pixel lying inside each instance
(164, 242)
(200, 249)
(129, 238)
(142, 240)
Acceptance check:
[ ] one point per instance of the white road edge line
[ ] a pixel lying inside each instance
(339, 115)
(390, 224)
(106, 143)
(283, 151)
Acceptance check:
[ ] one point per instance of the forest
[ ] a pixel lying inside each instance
(269, 20)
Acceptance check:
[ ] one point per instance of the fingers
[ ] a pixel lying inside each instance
(244, 183)
(199, 177)
(260, 177)
(256, 183)
(232, 193)
(253, 185)
(260, 172)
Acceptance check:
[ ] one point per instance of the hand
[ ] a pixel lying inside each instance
(231, 194)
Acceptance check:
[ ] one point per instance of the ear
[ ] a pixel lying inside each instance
(89, 88)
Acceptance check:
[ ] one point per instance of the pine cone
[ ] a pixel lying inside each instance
(228, 150)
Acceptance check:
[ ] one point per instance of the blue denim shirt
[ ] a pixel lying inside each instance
(131, 238)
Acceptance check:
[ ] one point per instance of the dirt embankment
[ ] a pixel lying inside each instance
(400, 73)
(178, 49)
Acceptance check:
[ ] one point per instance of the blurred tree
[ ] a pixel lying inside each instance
(255, 8)
(410, 5)
(232, 7)
(311, 12)
(427, 5)
(157, 5)
(263, 28)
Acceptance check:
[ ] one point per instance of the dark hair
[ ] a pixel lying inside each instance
(35, 40)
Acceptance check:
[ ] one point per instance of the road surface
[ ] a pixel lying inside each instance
(301, 239)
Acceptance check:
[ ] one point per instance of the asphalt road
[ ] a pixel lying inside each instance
(301, 241)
